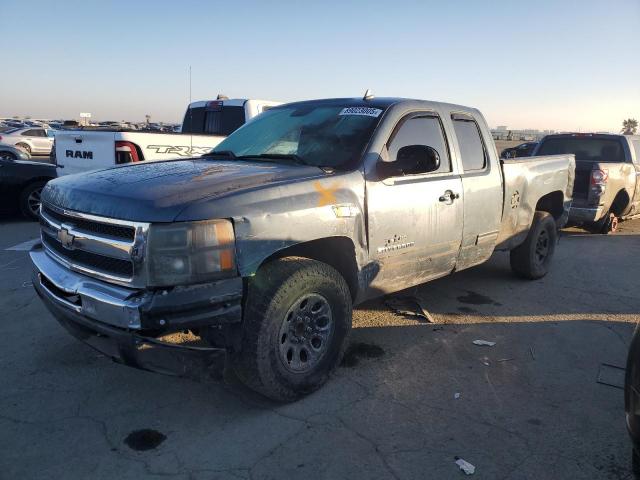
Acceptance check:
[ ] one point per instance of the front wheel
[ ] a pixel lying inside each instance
(30, 200)
(296, 322)
(531, 259)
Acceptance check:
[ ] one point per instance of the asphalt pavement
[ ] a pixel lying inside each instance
(543, 403)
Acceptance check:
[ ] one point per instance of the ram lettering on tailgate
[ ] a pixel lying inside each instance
(79, 154)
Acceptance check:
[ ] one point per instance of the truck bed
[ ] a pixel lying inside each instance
(526, 181)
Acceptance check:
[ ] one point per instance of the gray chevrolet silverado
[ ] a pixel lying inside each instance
(607, 183)
(262, 247)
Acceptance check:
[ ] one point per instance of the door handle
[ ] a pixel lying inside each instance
(449, 196)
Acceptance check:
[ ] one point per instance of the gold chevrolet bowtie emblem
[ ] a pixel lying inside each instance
(65, 238)
(327, 194)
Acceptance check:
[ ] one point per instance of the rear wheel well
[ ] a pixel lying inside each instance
(339, 252)
(553, 203)
(620, 203)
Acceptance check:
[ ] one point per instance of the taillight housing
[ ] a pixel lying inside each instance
(598, 182)
(126, 152)
(599, 177)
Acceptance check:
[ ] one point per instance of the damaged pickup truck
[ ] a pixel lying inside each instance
(262, 247)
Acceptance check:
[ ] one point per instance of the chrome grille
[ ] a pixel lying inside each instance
(105, 248)
(114, 266)
(118, 231)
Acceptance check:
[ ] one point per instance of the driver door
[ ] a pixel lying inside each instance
(415, 218)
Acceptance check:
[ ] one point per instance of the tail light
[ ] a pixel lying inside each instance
(599, 177)
(598, 182)
(126, 152)
(0, 138)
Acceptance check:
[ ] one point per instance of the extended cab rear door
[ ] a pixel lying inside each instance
(482, 188)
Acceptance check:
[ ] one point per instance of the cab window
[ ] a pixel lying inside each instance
(420, 129)
(472, 151)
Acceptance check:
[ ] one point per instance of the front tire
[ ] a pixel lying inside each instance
(531, 259)
(30, 200)
(296, 322)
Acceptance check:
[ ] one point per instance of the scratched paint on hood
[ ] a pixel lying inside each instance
(158, 191)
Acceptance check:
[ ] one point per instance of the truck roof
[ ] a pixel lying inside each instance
(232, 102)
(380, 102)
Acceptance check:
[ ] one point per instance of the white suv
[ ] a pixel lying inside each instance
(33, 140)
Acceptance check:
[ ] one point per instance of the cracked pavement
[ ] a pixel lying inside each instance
(529, 407)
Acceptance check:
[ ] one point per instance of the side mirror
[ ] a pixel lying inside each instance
(411, 159)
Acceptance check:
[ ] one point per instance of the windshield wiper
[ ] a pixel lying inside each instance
(278, 156)
(220, 153)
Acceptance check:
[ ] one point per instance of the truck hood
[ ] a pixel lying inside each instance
(159, 191)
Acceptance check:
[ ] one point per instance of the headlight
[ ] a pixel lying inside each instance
(190, 252)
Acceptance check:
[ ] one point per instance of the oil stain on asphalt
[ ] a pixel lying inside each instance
(477, 299)
(145, 439)
(356, 351)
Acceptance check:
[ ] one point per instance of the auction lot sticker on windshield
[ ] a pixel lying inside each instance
(366, 111)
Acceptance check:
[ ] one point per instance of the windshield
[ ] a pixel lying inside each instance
(318, 135)
(586, 149)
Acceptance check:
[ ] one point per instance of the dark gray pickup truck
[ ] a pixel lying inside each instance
(262, 247)
(607, 184)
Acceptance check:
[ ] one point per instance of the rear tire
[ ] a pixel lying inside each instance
(30, 199)
(24, 147)
(609, 224)
(531, 259)
(296, 322)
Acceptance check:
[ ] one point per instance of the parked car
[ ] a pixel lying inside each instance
(205, 124)
(34, 140)
(607, 184)
(263, 246)
(22, 180)
(522, 150)
(9, 152)
(632, 399)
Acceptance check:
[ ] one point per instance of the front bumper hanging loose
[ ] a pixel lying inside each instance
(116, 320)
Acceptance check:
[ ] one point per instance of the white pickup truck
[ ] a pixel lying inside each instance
(206, 123)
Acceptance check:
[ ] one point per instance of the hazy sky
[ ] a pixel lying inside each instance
(555, 64)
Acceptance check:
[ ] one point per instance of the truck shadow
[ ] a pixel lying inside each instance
(577, 286)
